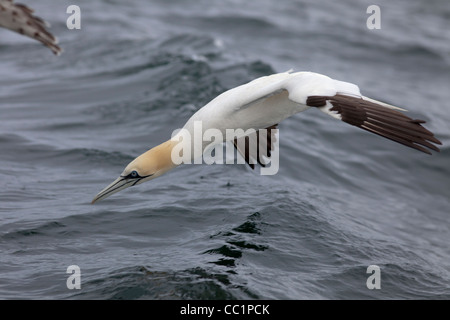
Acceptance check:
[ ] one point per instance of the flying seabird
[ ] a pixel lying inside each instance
(265, 102)
(20, 18)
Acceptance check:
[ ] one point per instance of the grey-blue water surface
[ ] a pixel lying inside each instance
(342, 200)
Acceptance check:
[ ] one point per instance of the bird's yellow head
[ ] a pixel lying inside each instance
(147, 166)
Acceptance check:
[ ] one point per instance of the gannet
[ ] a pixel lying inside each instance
(264, 103)
(20, 18)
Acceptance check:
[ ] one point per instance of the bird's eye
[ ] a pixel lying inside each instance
(134, 174)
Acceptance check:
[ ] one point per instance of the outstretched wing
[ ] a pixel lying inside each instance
(343, 101)
(378, 118)
(20, 18)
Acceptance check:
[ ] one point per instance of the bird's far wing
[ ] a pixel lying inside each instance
(20, 18)
(378, 118)
(256, 148)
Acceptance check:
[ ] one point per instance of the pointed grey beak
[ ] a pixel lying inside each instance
(117, 185)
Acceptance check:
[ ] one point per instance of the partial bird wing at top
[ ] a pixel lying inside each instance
(20, 18)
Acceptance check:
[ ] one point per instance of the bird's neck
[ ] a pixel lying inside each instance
(163, 153)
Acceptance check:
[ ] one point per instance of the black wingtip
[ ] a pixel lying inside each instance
(378, 119)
